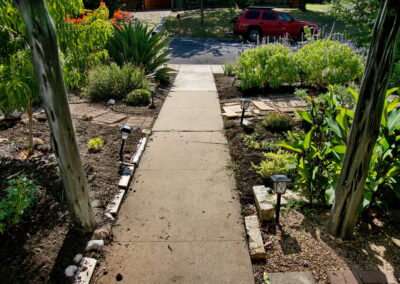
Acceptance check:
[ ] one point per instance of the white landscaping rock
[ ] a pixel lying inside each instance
(111, 102)
(265, 206)
(139, 151)
(95, 245)
(114, 205)
(126, 177)
(256, 245)
(70, 270)
(78, 258)
(85, 271)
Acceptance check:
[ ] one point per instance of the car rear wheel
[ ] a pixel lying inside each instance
(254, 34)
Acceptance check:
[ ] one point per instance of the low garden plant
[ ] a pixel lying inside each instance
(275, 163)
(277, 121)
(95, 144)
(112, 81)
(138, 97)
(18, 200)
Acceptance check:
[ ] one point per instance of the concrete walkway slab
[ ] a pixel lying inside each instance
(181, 222)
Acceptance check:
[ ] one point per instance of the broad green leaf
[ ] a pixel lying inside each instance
(306, 116)
(394, 120)
(354, 94)
(340, 149)
(290, 147)
(307, 139)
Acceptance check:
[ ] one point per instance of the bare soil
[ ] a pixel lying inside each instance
(302, 242)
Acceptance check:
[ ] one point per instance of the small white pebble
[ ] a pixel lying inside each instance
(70, 270)
(78, 258)
(95, 245)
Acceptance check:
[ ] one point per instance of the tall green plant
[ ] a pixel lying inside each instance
(137, 44)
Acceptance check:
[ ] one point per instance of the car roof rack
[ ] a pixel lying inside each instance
(261, 7)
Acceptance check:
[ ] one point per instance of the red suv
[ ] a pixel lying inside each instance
(258, 21)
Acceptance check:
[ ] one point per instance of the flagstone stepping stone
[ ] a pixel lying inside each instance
(256, 245)
(81, 110)
(109, 118)
(140, 121)
(263, 106)
(291, 278)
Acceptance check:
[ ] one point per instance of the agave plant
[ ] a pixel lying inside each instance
(137, 43)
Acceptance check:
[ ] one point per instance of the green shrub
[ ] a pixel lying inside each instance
(95, 144)
(135, 43)
(324, 62)
(269, 146)
(274, 164)
(267, 65)
(278, 121)
(20, 194)
(229, 69)
(114, 82)
(138, 97)
(249, 141)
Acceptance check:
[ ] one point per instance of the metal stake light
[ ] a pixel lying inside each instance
(152, 87)
(125, 132)
(280, 185)
(244, 105)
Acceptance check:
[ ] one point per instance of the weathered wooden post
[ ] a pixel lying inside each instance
(365, 130)
(43, 41)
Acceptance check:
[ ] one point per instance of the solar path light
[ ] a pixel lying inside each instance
(125, 132)
(244, 105)
(280, 183)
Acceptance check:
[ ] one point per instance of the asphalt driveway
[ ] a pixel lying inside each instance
(205, 51)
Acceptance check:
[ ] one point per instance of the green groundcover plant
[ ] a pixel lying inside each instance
(19, 197)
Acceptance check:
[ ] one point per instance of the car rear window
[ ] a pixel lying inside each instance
(284, 17)
(269, 15)
(252, 15)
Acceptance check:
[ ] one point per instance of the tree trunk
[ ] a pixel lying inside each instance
(30, 127)
(365, 130)
(303, 4)
(202, 11)
(43, 41)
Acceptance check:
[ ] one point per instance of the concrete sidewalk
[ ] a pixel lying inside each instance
(180, 222)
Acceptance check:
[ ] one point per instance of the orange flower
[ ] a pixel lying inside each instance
(102, 4)
(114, 20)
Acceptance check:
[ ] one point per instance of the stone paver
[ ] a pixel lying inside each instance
(140, 121)
(363, 277)
(265, 207)
(181, 222)
(110, 118)
(291, 278)
(83, 109)
(256, 244)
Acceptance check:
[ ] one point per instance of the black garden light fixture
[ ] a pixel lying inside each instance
(152, 87)
(280, 185)
(126, 130)
(244, 105)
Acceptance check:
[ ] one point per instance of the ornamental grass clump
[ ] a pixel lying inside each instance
(278, 121)
(266, 66)
(138, 97)
(114, 82)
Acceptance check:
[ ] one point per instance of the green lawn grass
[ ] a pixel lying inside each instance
(218, 21)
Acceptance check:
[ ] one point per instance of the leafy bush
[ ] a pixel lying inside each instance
(20, 194)
(267, 65)
(278, 121)
(229, 69)
(136, 43)
(95, 144)
(112, 81)
(274, 164)
(82, 43)
(138, 97)
(324, 62)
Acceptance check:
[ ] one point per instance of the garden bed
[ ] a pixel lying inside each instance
(44, 244)
(302, 242)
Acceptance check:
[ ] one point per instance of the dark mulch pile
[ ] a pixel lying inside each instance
(40, 248)
(302, 242)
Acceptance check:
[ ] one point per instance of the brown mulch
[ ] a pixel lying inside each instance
(302, 242)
